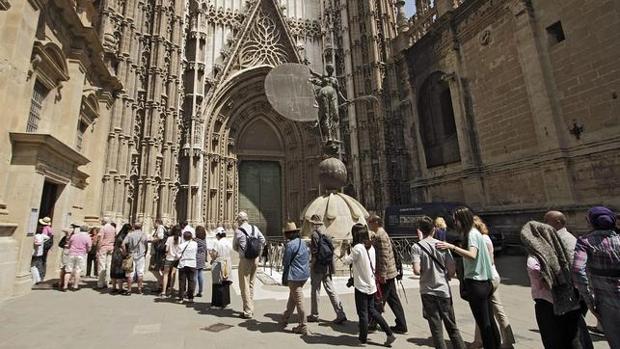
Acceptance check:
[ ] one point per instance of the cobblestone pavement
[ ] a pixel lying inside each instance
(87, 319)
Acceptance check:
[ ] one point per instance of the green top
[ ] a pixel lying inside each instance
(480, 268)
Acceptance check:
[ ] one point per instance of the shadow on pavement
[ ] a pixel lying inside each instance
(324, 339)
(348, 327)
(426, 342)
(262, 327)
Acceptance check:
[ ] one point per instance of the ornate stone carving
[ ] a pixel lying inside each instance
(263, 44)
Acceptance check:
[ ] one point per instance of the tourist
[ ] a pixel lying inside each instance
(295, 273)
(557, 220)
(221, 269)
(172, 256)
(505, 329)
(322, 267)
(135, 245)
(596, 271)
(362, 258)
(46, 230)
(107, 234)
(187, 268)
(117, 274)
(64, 257)
(388, 270)
(477, 287)
(79, 245)
(556, 303)
(435, 268)
(440, 229)
(248, 242)
(201, 257)
(91, 259)
(37, 254)
(158, 253)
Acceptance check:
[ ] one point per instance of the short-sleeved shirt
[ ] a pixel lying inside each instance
(432, 277)
(172, 249)
(481, 268)
(79, 244)
(136, 243)
(39, 240)
(187, 254)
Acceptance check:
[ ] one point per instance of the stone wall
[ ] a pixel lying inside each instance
(518, 89)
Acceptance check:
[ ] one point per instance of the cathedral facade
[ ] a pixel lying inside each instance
(156, 109)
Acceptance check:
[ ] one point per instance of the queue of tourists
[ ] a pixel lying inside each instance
(568, 275)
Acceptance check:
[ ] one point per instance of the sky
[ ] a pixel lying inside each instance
(409, 7)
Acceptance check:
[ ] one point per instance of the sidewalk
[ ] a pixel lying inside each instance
(88, 319)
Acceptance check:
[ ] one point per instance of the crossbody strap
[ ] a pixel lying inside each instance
(441, 266)
(185, 248)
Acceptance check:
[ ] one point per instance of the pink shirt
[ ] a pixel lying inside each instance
(107, 234)
(47, 230)
(539, 288)
(80, 244)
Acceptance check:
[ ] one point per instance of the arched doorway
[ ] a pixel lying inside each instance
(249, 148)
(260, 152)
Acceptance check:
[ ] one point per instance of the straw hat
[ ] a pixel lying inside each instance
(45, 221)
(316, 219)
(290, 227)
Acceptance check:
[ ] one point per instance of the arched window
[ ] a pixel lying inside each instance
(437, 126)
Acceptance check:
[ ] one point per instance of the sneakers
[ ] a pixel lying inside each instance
(283, 321)
(339, 320)
(312, 318)
(198, 295)
(301, 329)
(398, 330)
(389, 340)
(247, 315)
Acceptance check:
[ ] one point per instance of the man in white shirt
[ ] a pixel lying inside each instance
(362, 258)
(187, 267)
(37, 255)
(248, 264)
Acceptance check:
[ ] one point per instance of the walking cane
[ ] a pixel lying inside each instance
(404, 292)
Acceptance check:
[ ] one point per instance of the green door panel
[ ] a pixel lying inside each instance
(260, 194)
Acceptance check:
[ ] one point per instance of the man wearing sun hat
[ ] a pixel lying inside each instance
(294, 275)
(321, 272)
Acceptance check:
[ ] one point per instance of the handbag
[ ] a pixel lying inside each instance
(379, 294)
(175, 263)
(127, 264)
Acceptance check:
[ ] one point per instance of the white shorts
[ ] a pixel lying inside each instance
(75, 264)
(138, 268)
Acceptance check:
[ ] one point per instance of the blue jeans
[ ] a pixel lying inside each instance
(199, 280)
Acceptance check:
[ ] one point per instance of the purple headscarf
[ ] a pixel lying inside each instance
(602, 218)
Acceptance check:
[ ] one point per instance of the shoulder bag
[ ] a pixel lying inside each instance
(175, 263)
(441, 266)
(379, 294)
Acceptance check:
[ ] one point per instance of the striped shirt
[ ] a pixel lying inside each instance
(596, 268)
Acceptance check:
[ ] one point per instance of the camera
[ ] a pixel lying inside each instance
(350, 282)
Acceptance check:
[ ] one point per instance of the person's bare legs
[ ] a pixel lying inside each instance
(129, 281)
(76, 279)
(140, 278)
(164, 288)
(65, 281)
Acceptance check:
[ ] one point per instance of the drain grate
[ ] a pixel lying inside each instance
(216, 327)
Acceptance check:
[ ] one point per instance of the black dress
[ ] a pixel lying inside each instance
(116, 267)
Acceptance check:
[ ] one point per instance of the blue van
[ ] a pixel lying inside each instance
(401, 221)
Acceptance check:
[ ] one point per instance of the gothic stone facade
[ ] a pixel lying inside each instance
(511, 107)
(146, 109)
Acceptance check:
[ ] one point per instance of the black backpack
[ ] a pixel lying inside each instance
(325, 250)
(253, 245)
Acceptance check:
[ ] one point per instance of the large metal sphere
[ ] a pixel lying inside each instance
(332, 174)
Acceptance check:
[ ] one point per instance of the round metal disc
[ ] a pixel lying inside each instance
(290, 93)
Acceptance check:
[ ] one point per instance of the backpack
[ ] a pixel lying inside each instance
(325, 250)
(253, 245)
